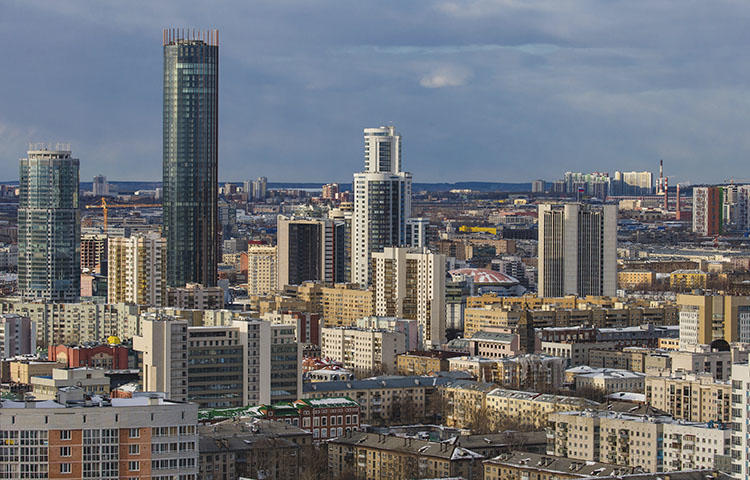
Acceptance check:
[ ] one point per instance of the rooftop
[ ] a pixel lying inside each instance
(566, 466)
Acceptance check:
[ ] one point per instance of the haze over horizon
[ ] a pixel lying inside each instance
(481, 90)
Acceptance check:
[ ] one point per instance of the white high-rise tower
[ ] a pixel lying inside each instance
(382, 201)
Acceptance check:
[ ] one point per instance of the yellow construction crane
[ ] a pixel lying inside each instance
(104, 206)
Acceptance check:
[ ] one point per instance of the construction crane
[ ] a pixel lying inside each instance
(105, 206)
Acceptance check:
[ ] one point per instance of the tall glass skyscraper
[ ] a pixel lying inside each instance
(190, 155)
(49, 226)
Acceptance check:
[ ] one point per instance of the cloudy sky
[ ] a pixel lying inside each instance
(491, 90)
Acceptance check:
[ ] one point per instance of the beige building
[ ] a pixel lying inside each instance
(690, 396)
(136, 270)
(370, 455)
(363, 349)
(195, 296)
(482, 369)
(704, 359)
(261, 270)
(91, 381)
(635, 279)
(106, 439)
(345, 303)
(534, 466)
(163, 343)
(22, 371)
(607, 380)
(409, 283)
(705, 318)
(652, 442)
(491, 318)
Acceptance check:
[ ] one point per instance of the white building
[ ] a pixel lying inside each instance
(416, 232)
(362, 349)
(633, 183)
(163, 342)
(577, 249)
(261, 270)
(741, 421)
(410, 284)
(382, 201)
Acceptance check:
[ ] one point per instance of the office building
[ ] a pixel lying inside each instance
(577, 249)
(262, 276)
(307, 250)
(49, 226)
(416, 232)
(146, 436)
(410, 284)
(190, 156)
(260, 187)
(363, 350)
(382, 201)
(137, 270)
(707, 211)
(17, 335)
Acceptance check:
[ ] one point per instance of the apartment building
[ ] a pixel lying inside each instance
(696, 397)
(705, 318)
(136, 270)
(370, 455)
(655, 443)
(530, 372)
(607, 380)
(410, 328)
(635, 359)
(740, 450)
(534, 466)
(530, 408)
(306, 324)
(94, 253)
(345, 303)
(91, 381)
(75, 323)
(380, 397)
(195, 296)
(410, 283)
(491, 318)
(363, 349)
(424, 362)
(143, 437)
(635, 279)
(261, 270)
(17, 335)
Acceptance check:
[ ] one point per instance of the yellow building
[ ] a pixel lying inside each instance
(424, 363)
(22, 370)
(491, 317)
(705, 318)
(634, 279)
(690, 396)
(344, 304)
(687, 279)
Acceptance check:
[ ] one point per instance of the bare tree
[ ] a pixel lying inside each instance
(314, 462)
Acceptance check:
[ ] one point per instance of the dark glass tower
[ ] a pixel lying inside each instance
(49, 226)
(190, 155)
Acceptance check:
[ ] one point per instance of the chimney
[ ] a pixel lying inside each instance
(666, 194)
(677, 204)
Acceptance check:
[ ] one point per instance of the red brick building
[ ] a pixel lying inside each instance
(114, 357)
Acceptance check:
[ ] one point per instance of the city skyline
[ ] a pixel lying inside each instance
(554, 85)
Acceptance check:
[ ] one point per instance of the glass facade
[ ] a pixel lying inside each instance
(49, 227)
(190, 161)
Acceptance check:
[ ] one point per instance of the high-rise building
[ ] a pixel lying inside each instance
(740, 453)
(330, 191)
(705, 318)
(260, 188)
(707, 210)
(596, 184)
(190, 156)
(262, 278)
(382, 201)
(163, 342)
(577, 249)
(49, 226)
(94, 253)
(410, 284)
(416, 232)
(305, 250)
(537, 186)
(632, 183)
(17, 335)
(137, 268)
(100, 187)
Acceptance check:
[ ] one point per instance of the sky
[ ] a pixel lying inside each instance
(481, 90)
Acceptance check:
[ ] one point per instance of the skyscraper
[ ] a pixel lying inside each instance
(382, 201)
(136, 270)
(49, 226)
(190, 156)
(577, 249)
(707, 210)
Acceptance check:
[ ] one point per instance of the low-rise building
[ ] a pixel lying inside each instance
(21, 371)
(369, 455)
(111, 356)
(606, 380)
(482, 369)
(635, 279)
(195, 296)
(424, 362)
(494, 344)
(533, 466)
(530, 372)
(237, 449)
(92, 381)
(688, 279)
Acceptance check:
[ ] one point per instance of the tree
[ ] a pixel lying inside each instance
(479, 421)
(314, 462)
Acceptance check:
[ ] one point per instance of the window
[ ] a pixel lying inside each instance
(134, 433)
(65, 468)
(64, 451)
(65, 435)
(134, 466)
(134, 449)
